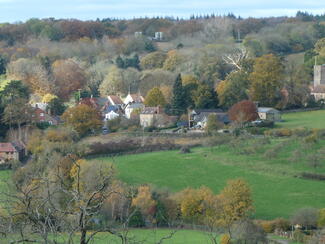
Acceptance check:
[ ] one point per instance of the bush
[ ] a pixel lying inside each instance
(268, 226)
(225, 239)
(281, 224)
(298, 236)
(185, 149)
(279, 132)
(313, 176)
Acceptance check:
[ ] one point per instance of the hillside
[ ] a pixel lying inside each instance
(277, 191)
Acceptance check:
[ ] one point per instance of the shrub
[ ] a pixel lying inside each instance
(281, 224)
(301, 132)
(313, 176)
(225, 239)
(298, 236)
(268, 226)
(185, 149)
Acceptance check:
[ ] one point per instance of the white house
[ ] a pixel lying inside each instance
(111, 115)
(133, 98)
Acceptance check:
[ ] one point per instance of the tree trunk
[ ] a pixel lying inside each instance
(83, 236)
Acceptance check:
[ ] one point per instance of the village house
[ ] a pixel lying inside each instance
(114, 100)
(155, 117)
(11, 151)
(198, 118)
(133, 98)
(318, 89)
(269, 114)
(130, 108)
(111, 112)
(40, 116)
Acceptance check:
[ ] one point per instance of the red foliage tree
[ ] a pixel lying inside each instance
(243, 111)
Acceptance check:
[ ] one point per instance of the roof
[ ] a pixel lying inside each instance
(135, 105)
(198, 111)
(266, 110)
(203, 117)
(319, 89)
(7, 147)
(150, 110)
(137, 98)
(111, 108)
(115, 99)
(11, 147)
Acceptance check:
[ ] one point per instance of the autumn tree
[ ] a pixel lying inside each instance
(155, 78)
(119, 81)
(144, 202)
(233, 89)
(213, 124)
(68, 77)
(266, 80)
(153, 60)
(155, 98)
(242, 112)
(236, 201)
(82, 118)
(32, 73)
(173, 60)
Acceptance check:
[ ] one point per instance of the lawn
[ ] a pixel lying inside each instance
(311, 119)
(277, 191)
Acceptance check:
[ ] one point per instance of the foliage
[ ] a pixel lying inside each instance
(205, 97)
(234, 89)
(155, 98)
(153, 60)
(213, 124)
(82, 118)
(178, 99)
(266, 80)
(242, 112)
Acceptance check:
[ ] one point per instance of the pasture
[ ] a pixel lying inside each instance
(310, 119)
(272, 170)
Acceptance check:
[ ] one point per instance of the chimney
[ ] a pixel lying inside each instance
(159, 109)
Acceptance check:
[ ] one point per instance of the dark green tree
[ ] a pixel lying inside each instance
(3, 65)
(120, 62)
(178, 105)
(205, 97)
(56, 107)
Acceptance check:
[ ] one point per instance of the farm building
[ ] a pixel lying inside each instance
(269, 114)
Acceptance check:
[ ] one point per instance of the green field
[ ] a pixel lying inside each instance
(277, 192)
(148, 236)
(311, 119)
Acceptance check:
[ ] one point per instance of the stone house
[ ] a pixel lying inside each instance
(132, 107)
(155, 117)
(269, 114)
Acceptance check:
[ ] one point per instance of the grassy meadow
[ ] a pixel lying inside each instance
(311, 119)
(277, 189)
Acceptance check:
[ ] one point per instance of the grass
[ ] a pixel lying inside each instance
(277, 192)
(310, 119)
(148, 236)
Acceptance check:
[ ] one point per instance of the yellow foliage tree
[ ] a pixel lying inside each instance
(236, 202)
(144, 201)
(154, 98)
(82, 118)
(173, 60)
(48, 97)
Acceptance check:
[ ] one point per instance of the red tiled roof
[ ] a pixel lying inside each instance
(137, 98)
(115, 99)
(7, 147)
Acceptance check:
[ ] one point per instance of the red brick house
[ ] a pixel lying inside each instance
(11, 151)
(40, 116)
